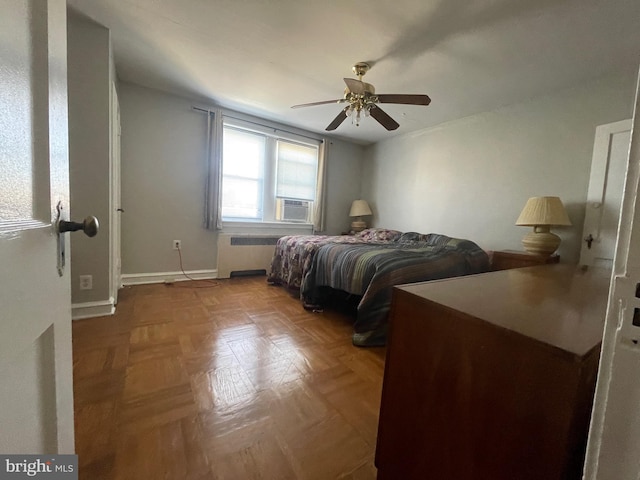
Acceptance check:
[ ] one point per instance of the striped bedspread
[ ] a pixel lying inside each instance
(294, 253)
(371, 271)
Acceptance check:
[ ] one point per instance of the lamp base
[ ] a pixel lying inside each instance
(358, 225)
(541, 241)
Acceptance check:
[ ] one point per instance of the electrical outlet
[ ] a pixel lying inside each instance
(86, 282)
(177, 244)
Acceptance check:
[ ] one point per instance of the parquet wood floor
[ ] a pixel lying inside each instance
(234, 382)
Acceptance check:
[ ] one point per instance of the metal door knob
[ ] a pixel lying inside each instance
(90, 226)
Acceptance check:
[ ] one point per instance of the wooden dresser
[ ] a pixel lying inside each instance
(505, 259)
(491, 376)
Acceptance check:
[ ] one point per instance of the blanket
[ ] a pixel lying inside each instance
(371, 271)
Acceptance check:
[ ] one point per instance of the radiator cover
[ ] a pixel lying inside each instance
(240, 253)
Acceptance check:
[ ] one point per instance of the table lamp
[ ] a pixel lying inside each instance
(541, 213)
(359, 208)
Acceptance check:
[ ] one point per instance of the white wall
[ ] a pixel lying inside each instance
(89, 78)
(163, 172)
(470, 178)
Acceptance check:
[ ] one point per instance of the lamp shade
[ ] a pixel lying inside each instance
(359, 208)
(543, 211)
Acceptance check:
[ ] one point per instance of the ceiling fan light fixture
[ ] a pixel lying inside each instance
(362, 96)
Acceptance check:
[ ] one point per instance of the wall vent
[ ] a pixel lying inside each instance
(253, 240)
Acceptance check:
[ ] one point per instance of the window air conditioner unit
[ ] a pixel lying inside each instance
(293, 210)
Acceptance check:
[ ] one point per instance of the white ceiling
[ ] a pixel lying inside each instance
(262, 56)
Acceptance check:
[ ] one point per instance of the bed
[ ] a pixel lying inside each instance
(371, 271)
(368, 266)
(294, 253)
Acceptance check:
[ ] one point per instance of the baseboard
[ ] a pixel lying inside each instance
(92, 309)
(162, 277)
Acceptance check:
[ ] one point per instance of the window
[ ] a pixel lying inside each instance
(242, 174)
(267, 177)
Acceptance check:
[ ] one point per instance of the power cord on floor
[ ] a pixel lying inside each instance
(209, 283)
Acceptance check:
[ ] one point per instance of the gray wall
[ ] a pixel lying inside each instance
(89, 80)
(344, 174)
(470, 178)
(163, 172)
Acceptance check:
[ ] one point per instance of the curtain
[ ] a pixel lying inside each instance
(213, 187)
(319, 213)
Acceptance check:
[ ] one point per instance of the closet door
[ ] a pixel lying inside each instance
(604, 198)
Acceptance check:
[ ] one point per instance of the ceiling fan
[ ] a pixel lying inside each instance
(362, 100)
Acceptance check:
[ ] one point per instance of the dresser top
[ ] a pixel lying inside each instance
(563, 306)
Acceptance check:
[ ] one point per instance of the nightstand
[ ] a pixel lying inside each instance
(506, 259)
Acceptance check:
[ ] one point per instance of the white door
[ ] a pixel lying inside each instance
(613, 451)
(116, 207)
(36, 389)
(606, 182)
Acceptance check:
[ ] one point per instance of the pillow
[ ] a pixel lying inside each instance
(380, 235)
(437, 239)
(409, 237)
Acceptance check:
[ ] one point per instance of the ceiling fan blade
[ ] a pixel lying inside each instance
(326, 102)
(404, 99)
(338, 120)
(383, 119)
(355, 86)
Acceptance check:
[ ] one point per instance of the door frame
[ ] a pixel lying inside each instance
(115, 255)
(620, 335)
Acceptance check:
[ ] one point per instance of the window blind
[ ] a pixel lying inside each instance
(297, 170)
